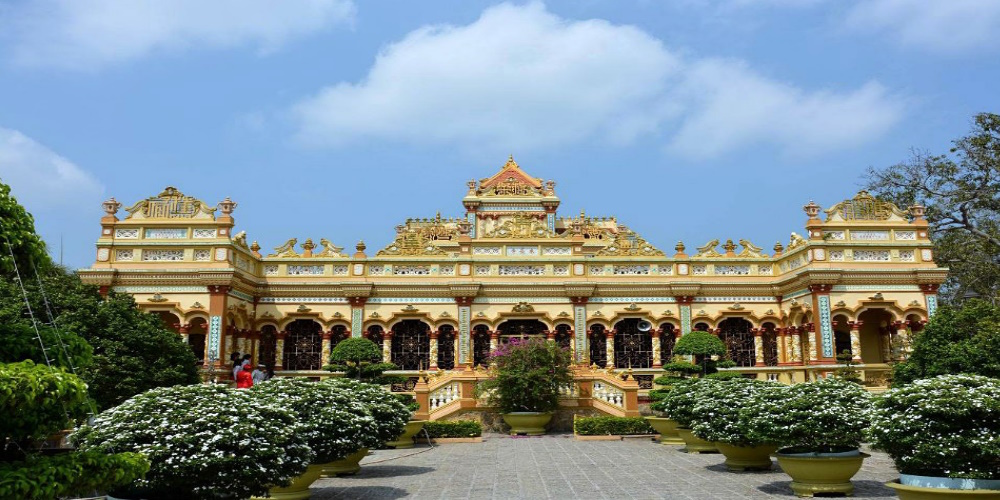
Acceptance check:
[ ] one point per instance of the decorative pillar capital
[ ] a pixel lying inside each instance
(218, 289)
(820, 288)
(579, 301)
(930, 288)
(464, 300)
(327, 335)
(684, 299)
(357, 301)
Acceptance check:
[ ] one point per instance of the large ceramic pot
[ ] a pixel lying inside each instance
(531, 423)
(814, 473)
(347, 466)
(747, 458)
(667, 429)
(405, 440)
(694, 444)
(299, 489)
(912, 487)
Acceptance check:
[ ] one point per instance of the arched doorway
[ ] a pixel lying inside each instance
(337, 334)
(169, 320)
(303, 346)
(268, 345)
(842, 337)
(411, 345)
(737, 335)
(374, 333)
(874, 335)
(598, 346)
(197, 330)
(633, 348)
(668, 337)
(446, 347)
(564, 336)
(769, 338)
(480, 345)
(521, 329)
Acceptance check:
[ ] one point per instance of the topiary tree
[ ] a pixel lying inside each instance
(701, 345)
(37, 401)
(964, 339)
(361, 359)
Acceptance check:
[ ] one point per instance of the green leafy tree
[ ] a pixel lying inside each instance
(957, 339)
(17, 227)
(701, 345)
(37, 401)
(361, 359)
(527, 376)
(961, 193)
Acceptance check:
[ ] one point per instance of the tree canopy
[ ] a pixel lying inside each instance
(961, 193)
(17, 227)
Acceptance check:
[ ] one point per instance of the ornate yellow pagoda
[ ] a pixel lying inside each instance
(445, 290)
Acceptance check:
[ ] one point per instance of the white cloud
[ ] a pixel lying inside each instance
(520, 77)
(77, 34)
(936, 26)
(40, 178)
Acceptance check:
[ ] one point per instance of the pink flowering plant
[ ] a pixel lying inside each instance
(946, 426)
(334, 423)
(527, 376)
(825, 416)
(724, 410)
(202, 442)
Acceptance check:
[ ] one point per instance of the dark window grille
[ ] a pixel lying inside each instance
(268, 345)
(521, 328)
(337, 333)
(564, 336)
(411, 345)
(374, 334)
(303, 346)
(842, 342)
(770, 340)
(633, 349)
(598, 346)
(446, 347)
(481, 345)
(736, 334)
(667, 340)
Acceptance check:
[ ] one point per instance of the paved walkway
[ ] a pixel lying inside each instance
(560, 467)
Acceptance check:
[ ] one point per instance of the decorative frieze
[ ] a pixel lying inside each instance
(270, 270)
(521, 270)
(204, 233)
(339, 270)
(836, 255)
(303, 300)
(631, 270)
(376, 270)
(665, 270)
(482, 270)
(173, 233)
(871, 255)
(765, 270)
(732, 270)
(869, 235)
(699, 270)
(486, 251)
(163, 255)
(202, 255)
(447, 270)
(597, 270)
(557, 251)
(127, 234)
(560, 270)
(906, 255)
(906, 235)
(411, 270)
(300, 270)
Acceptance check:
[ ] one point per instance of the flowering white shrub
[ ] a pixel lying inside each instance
(389, 413)
(334, 422)
(679, 402)
(723, 410)
(946, 426)
(203, 441)
(828, 415)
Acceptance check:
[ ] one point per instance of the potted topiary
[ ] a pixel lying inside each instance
(701, 345)
(202, 441)
(334, 424)
(820, 426)
(944, 435)
(389, 413)
(667, 427)
(677, 405)
(527, 376)
(413, 427)
(719, 416)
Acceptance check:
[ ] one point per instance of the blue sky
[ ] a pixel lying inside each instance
(689, 120)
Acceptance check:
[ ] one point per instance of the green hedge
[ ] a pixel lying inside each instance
(724, 375)
(611, 426)
(454, 429)
(658, 394)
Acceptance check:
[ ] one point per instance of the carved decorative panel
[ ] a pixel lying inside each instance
(521, 270)
(167, 233)
(160, 255)
(724, 270)
(906, 235)
(871, 255)
(127, 234)
(411, 270)
(124, 255)
(270, 270)
(632, 270)
(202, 255)
(204, 233)
(869, 235)
(297, 270)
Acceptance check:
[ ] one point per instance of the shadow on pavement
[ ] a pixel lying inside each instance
(390, 470)
(366, 492)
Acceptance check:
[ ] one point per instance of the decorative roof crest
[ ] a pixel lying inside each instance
(628, 243)
(287, 250)
(864, 206)
(170, 204)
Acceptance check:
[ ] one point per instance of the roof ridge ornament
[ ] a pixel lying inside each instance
(864, 206)
(172, 204)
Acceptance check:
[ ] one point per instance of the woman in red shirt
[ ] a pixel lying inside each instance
(244, 379)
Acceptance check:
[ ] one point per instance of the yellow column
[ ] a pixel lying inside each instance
(387, 347)
(610, 346)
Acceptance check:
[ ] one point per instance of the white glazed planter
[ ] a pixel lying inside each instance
(949, 482)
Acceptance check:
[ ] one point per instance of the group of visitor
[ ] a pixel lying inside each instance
(244, 377)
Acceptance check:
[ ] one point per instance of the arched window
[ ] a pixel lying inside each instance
(633, 349)
(736, 334)
(374, 334)
(170, 320)
(268, 344)
(446, 347)
(303, 346)
(196, 338)
(668, 337)
(521, 328)
(701, 327)
(481, 345)
(598, 346)
(411, 345)
(564, 336)
(769, 337)
(337, 333)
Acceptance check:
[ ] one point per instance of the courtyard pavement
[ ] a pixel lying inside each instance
(558, 466)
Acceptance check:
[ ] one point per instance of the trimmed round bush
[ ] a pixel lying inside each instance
(699, 343)
(946, 426)
(202, 441)
(825, 416)
(724, 408)
(333, 422)
(388, 412)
